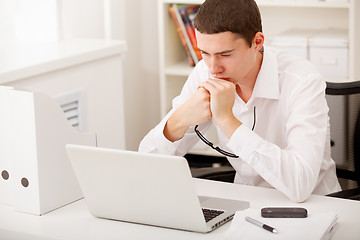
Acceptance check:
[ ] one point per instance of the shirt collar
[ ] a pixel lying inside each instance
(267, 81)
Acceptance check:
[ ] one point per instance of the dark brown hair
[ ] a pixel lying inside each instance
(237, 16)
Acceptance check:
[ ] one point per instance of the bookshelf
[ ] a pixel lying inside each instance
(277, 16)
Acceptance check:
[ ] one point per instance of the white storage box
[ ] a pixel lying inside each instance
(37, 176)
(328, 51)
(294, 41)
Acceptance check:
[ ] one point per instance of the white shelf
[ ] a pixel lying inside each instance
(179, 69)
(297, 3)
(183, 2)
(278, 3)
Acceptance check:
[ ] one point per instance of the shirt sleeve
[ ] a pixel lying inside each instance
(156, 142)
(293, 169)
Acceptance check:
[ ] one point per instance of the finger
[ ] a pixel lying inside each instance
(214, 86)
(220, 82)
(209, 86)
(202, 85)
(224, 85)
(203, 90)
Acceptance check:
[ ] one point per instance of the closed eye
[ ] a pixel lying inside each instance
(226, 53)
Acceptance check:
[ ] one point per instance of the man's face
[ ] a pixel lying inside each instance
(227, 55)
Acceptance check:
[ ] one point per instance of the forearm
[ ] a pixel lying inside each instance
(229, 125)
(156, 142)
(175, 127)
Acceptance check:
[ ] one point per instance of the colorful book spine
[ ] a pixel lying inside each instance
(191, 12)
(190, 31)
(184, 38)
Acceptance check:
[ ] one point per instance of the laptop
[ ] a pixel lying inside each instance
(146, 188)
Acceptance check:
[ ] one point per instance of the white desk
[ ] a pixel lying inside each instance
(75, 222)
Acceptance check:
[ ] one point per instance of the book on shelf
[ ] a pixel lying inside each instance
(191, 12)
(183, 35)
(185, 13)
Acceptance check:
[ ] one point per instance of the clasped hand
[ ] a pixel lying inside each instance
(214, 98)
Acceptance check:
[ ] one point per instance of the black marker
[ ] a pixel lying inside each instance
(264, 226)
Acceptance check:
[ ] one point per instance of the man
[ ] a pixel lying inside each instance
(268, 108)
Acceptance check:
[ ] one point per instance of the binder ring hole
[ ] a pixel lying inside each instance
(5, 175)
(24, 182)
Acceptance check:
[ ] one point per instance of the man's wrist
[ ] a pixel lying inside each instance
(229, 126)
(174, 128)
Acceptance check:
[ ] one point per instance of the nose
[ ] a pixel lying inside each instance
(215, 66)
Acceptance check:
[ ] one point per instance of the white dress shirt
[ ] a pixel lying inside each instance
(289, 148)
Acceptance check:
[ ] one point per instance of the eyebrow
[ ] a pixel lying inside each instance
(218, 53)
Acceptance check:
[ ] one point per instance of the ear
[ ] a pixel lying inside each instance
(258, 41)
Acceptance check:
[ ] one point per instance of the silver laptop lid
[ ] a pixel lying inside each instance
(138, 187)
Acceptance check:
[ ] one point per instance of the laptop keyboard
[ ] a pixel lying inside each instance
(211, 213)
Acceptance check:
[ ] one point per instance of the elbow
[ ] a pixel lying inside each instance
(300, 195)
(302, 187)
(300, 198)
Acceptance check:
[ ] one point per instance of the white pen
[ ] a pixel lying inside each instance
(262, 225)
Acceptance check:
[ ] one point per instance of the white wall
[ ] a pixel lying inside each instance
(136, 22)
(141, 70)
(82, 18)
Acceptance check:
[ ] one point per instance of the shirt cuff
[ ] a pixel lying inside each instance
(244, 142)
(167, 146)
